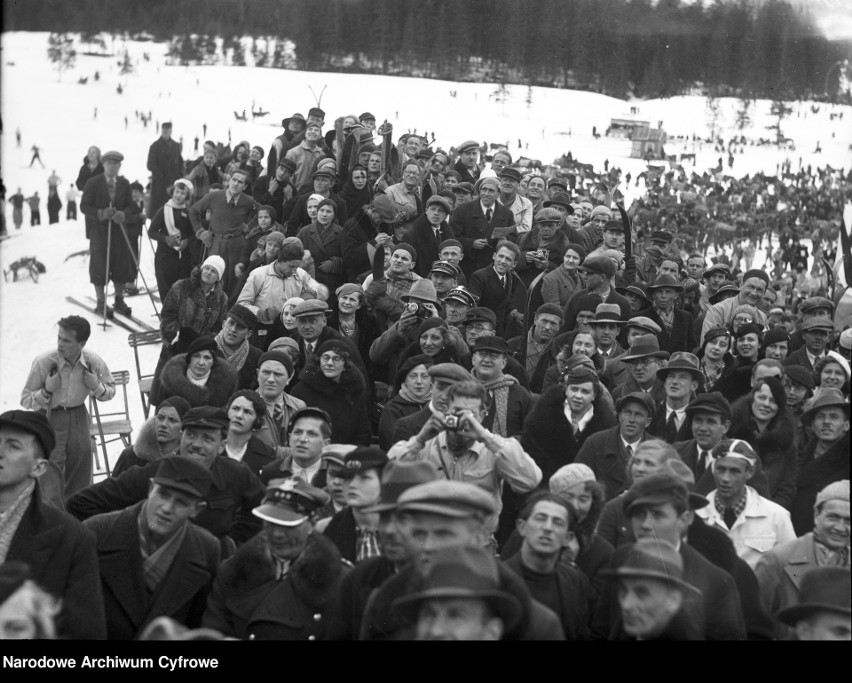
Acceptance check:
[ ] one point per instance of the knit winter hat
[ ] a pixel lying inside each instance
(568, 476)
(216, 262)
(180, 404)
(838, 490)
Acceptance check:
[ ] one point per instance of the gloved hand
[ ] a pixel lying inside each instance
(106, 214)
(118, 217)
(379, 265)
(90, 379)
(53, 382)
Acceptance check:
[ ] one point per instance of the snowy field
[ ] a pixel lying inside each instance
(58, 115)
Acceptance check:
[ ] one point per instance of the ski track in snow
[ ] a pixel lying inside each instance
(57, 116)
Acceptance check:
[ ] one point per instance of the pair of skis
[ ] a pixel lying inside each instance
(123, 321)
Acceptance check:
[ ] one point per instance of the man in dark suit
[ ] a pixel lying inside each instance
(499, 288)
(659, 507)
(681, 379)
(311, 324)
(59, 551)
(607, 453)
(708, 420)
(109, 208)
(480, 224)
(428, 231)
(816, 333)
(153, 561)
(678, 327)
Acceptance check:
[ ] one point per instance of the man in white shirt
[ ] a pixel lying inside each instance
(754, 523)
(463, 450)
(521, 207)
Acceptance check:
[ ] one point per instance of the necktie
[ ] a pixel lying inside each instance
(671, 428)
(488, 216)
(309, 350)
(628, 451)
(505, 282)
(701, 465)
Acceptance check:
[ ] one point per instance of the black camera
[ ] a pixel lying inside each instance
(542, 254)
(453, 423)
(419, 310)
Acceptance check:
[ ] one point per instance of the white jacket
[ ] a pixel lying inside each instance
(266, 289)
(762, 525)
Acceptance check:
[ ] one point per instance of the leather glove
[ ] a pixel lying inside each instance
(118, 217)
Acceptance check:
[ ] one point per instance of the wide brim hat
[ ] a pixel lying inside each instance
(826, 398)
(423, 290)
(684, 361)
(727, 288)
(664, 281)
(463, 572)
(822, 589)
(560, 199)
(647, 346)
(607, 313)
(656, 560)
(635, 290)
(397, 478)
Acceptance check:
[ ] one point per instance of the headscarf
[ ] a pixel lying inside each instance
(355, 199)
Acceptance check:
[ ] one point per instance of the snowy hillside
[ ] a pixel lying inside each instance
(59, 117)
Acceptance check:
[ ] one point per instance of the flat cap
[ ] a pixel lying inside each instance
(398, 477)
(450, 372)
(448, 498)
(34, 423)
(665, 487)
(438, 200)
(466, 145)
(712, 402)
(335, 453)
(183, 474)
(310, 307)
(642, 323)
(547, 215)
(491, 343)
(463, 187)
(814, 302)
(112, 154)
(598, 264)
(510, 173)
(643, 398)
(207, 417)
(243, 315)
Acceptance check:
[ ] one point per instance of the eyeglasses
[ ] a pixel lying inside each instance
(480, 328)
(333, 360)
(645, 362)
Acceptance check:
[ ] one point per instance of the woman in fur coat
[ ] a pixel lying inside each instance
(333, 382)
(549, 437)
(159, 436)
(762, 418)
(201, 375)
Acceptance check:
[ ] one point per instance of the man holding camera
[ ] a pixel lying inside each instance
(462, 449)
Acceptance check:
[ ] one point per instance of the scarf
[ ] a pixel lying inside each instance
(10, 520)
(828, 557)
(580, 425)
(712, 373)
(367, 545)
(498, 388)
(407, 395)
(202, 382)
(667, 318)
(156, 561)
(235, 356)
(169, 218)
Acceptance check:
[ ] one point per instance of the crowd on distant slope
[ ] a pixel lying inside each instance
(410, 393)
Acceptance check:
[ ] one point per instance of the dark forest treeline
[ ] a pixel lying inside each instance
(619, 47)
